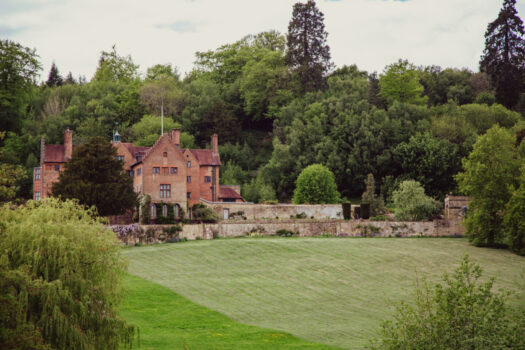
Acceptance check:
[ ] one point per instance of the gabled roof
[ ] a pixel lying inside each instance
(226, 192)
(134, 150)
(55, 154)
(206, 156)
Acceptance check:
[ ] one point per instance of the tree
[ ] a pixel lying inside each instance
(489, 172)
(316, 185)
(504, 56)
(515, 217)
(147, 131)
(412, 203)
(112, 67)
(59, 276)
(464, 313)
(54, 78)
(377, 205)
(95, 177)
(430, 161)
(400, 82)
(19, 69)
(10, 178)
(308, 53)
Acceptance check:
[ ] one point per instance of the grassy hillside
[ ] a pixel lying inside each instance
(328, 290)
(170, 321)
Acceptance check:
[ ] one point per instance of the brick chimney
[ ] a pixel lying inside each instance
(68, 144)
(175, 137)
(42, 151)
(215, 144)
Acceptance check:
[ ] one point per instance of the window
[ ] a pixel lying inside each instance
(156, 170)
(37, 173)
(139, 171)
(188, 195)
(153, 211)
(164, 210)
(173, 171)
(188, 164)
(165, 191)
(57, 167)
(130, 172)
(176, 211)
(207, 178)
(120, 158)
(188, 179)
(138, 158)
(37, 196)
(165, 155)
(165, 171)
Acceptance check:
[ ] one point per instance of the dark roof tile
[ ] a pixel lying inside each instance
(206, 157)
(226, 192)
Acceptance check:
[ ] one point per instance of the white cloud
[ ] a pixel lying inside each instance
(369, 33)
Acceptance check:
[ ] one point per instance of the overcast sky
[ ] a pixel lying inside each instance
(369, 33)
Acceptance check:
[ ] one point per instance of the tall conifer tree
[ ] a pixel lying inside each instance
(308, 53)
(54, 78)
(504, 56)
(95, 177)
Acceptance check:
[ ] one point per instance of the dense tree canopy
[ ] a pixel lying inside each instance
(94, 177)
(19, 67)
(410, 122)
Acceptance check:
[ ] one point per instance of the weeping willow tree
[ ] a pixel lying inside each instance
(59, 278)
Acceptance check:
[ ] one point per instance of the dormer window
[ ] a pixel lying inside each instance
(138, 158)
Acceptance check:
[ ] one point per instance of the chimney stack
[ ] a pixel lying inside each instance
(215, 144)
(68, 144)
(175, 137)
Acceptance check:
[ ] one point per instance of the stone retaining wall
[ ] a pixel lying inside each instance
(306, 228)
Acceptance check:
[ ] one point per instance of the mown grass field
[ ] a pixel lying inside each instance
(334, 291)
(169, 321)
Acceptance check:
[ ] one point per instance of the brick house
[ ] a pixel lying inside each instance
(165, 172)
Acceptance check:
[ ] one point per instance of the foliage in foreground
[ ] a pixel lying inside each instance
(464, 313)
(59, 273)
(316, 185)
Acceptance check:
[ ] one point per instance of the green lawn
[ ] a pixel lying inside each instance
(169, 321)
(327, 290)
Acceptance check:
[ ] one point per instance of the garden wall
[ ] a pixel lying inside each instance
(149, 234)
(253, 211)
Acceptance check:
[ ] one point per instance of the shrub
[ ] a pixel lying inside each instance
(59, 276)
(461, 314)
(316, 185)
(301, 215)
(412, 204)
(204, 214)
(286, 233)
